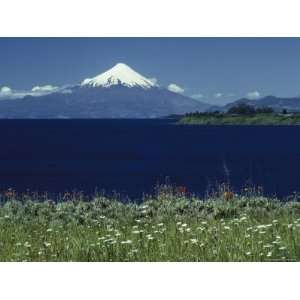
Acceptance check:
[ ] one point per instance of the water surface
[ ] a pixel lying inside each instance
(132, 156)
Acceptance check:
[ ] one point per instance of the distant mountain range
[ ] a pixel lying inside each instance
(120, 92)
(117, 93)
(277, 103)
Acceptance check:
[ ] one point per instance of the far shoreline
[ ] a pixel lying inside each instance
(242, 115)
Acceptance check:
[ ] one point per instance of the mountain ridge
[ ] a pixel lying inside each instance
(291, 104)
(119, 92)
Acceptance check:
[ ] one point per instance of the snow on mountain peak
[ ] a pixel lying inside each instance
(120, 74)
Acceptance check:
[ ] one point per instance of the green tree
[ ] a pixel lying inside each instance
(242, 109)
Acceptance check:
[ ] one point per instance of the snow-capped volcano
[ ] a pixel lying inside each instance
(120, 74)
(119, 92)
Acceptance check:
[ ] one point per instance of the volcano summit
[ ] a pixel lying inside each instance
(119, 92)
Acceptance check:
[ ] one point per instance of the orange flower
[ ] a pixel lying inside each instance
(181, 190)
(9, 193)
(228, 195)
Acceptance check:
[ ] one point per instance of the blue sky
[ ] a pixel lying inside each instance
(214, 70)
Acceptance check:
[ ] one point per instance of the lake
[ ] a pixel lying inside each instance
(132, 156)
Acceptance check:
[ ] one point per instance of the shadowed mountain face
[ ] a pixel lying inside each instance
(116, 101)
(119, 92)
(278, 104)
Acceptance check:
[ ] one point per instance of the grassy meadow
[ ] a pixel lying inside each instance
(170, 226)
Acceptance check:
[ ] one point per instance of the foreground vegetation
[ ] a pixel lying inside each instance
(242, 115)
(168, 227)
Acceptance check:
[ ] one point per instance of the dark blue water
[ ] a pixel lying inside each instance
(132, 156)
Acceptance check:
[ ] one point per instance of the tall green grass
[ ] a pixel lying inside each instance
(168, 227)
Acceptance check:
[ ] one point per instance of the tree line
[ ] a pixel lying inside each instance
(239, 109)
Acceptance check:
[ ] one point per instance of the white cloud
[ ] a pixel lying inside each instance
(198, 96)
(253, 95)
(153, 80)
(5, 90)
(44, 88)
(175, 88)
(8, 93)
(218, 95)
